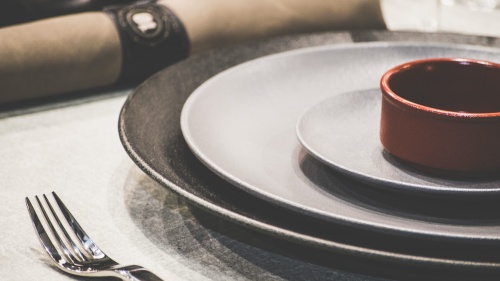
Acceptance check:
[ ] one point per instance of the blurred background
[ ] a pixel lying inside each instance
(475, 17)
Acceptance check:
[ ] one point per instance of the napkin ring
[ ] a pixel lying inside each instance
(152, 37)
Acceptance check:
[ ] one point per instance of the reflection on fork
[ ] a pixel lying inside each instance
(71, 249)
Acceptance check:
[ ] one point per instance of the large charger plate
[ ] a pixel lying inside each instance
(150, 132)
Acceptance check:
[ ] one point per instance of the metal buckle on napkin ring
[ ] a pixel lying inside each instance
(152, 38)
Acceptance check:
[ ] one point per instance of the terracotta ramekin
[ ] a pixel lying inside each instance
(442, 115)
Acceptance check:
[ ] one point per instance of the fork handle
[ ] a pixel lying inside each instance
(136, 273)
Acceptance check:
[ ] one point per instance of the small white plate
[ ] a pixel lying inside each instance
(343, 132)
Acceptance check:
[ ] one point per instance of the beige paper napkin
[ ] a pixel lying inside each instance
(82, 51)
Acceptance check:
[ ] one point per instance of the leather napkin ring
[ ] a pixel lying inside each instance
(152, 38)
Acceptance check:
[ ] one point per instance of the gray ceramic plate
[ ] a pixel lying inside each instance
(241, 124)
(343, 132)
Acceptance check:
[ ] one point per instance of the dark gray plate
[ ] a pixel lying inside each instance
(343, 132)
(150, 132)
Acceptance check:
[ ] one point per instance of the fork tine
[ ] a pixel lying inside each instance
(70, 241)
(43, 236)
(85, 240)
(58, 243)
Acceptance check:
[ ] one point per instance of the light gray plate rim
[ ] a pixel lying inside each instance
(337, 210)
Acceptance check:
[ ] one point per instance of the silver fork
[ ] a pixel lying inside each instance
(76, 253)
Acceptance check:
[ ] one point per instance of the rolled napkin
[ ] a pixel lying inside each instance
(216, 23)
(123, 43)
